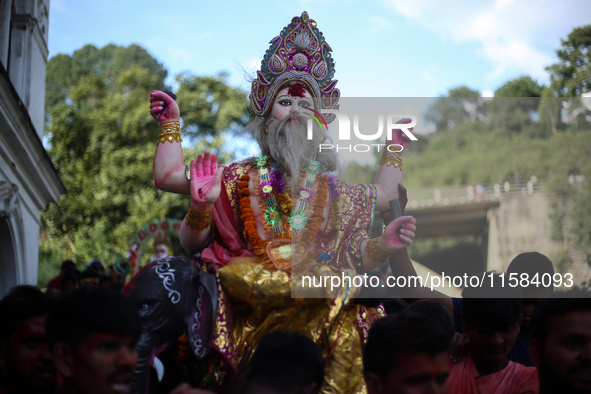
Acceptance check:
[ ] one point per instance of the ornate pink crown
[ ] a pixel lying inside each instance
(299, 53)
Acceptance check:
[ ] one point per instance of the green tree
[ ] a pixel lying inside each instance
(515, 104)
(102, 142)
(571, 76)
(461, 105)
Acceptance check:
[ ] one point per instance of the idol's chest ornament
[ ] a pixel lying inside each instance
(290, 226)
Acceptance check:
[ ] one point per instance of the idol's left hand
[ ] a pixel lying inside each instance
(398, 234)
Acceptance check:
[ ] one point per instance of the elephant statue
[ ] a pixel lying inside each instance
(173, 297)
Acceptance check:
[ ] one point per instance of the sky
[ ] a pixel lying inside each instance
(382, 48)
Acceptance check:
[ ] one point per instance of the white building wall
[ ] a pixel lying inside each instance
(28, 179)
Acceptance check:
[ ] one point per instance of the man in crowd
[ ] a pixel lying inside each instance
(89, 278)
(492, 324)
(561, 343)
(70, 280)
(96, 265)
(25, 361)
(406, 353)
(92, 335)
(285, 362)
(535, 265)
(55, 283)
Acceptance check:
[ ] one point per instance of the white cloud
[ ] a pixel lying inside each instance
(514, 35)
(487, 93)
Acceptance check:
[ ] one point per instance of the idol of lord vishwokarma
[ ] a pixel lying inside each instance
(254, 222)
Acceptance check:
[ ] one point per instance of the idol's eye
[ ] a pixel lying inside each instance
(305, 104)
(285, 102)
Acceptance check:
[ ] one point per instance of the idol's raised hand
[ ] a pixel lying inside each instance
(399, 137)
(398, 234)
(206, 181)
(163, 107)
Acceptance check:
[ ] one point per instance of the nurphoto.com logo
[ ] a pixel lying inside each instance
(345, 131)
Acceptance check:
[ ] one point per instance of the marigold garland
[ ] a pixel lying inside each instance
(308, 235)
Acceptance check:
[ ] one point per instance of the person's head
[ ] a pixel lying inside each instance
(295, 79)
(105, 281)
(491, 315)
(285, 362)
(92, 333)
(69, 280)
(25, 360)
(534, 265)
(406, 353)
(97, 266)
(561, 342)
(89, 278)
(283, 133)
(161, 250)
(67, 265)
(435, 311)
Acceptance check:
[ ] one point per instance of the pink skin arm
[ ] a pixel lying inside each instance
(391, 241)
(205, 188)
(388, 177)
(169, 167)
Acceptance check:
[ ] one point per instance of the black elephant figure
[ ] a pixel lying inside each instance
(173, 296)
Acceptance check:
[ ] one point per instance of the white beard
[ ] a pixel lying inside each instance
(288, 145)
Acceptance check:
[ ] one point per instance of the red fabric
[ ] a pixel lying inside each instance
(226, 227)
(55, 283)
(513, 379)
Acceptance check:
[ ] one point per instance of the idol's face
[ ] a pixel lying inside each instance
(286, 104)
(161, 251)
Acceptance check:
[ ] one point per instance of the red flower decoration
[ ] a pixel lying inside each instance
(142, 235)
(152, 227)
(176, 226)
(165, 225)
(297, 90)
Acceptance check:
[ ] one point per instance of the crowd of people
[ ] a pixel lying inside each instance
(492, 340)
(94, 275)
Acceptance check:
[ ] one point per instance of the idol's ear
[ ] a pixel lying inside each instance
(201, 312)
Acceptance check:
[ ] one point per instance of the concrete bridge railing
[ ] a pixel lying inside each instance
(465, 194)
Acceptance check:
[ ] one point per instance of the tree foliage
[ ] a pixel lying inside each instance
(461, 105)
(571, 76)
(103, 140)
(515, 104)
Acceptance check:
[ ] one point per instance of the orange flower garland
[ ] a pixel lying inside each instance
(307, 237)
(250, 226)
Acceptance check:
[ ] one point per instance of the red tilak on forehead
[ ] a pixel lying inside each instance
(297, 90)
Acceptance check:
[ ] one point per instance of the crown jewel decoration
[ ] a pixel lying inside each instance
(298, 54)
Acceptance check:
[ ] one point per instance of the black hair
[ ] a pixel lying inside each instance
(71, 275)
(116, 286)
(105, 278)
(285, 360)
(68, 263)
(83, 311)
(559, 303)
(88, 273)
(401, 333)
(22, 302)
(435, 311)
(532, 263)
(494, 303)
